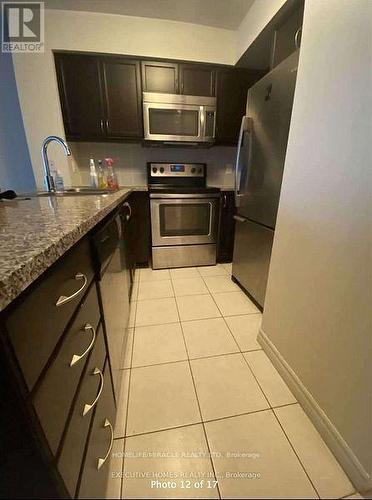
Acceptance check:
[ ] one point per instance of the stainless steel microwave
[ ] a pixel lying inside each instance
(179, 118)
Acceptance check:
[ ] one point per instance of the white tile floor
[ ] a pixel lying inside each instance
(202, 402)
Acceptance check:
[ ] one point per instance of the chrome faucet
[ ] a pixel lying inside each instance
(49, 181)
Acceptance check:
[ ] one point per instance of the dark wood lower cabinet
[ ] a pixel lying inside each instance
(54, 397)
(225, 247)
(94, 476)
(71, 456)
(57, 406)
(36, 324)
(139, 230)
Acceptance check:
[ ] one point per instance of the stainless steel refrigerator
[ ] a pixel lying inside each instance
(258, 174)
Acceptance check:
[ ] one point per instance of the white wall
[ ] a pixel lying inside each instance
(318, 303)
(35, 73)
(130, 161)
(15, 165)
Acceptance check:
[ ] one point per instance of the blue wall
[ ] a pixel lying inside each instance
(15, 164)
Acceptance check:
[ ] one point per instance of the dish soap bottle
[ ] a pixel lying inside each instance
(102, 184)
(57, 178)
(112, 180)
(93, 174)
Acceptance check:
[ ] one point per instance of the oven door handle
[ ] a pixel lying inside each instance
(211, 210)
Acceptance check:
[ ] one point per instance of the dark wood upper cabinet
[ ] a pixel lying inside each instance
(80, 93)
(101, 95)
(197, 79)
(287, 37)
(232, 90)
(122, 98)
(158, 76)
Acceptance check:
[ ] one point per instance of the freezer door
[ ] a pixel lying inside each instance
(252, 252)
(269, 110)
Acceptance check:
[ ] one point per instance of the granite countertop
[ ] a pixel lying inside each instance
(34, 233)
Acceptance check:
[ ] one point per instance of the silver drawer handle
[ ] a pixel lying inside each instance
(63, 299)
(296, 38)
(101, 461)
(127, 205)
(88, 407)
(76, 357)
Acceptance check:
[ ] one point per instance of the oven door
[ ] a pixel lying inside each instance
(183, 220)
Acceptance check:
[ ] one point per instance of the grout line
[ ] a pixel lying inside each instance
(226, 322)
(165, 429)
(259, 385)
(295, 452)
(217, 419)
(351, 494)
(271, 408)
(162, 363)
(198, 402)
(280, 425)
(128, 395)
(191, 359)
(183, 321)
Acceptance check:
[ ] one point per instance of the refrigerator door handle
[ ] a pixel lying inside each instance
(245, 126)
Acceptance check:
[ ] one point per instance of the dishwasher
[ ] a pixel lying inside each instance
(114, 284)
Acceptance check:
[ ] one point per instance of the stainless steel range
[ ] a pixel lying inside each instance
(184, 215)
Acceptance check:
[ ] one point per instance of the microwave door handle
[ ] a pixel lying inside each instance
(202, 121)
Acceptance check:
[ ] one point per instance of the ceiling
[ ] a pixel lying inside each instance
(218, 13)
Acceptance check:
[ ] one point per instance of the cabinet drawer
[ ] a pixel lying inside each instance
(93, 482)
(53, 398)
(37, 323)
(71, 456)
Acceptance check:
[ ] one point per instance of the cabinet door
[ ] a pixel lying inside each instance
(93, 481)
(232, 89)
(72, 452)
(287, 37)
(80, 94)
(54, 397)
(138, 231)
(160, 76)
(122, 98)
(197, 79)
(38, 312)
(227, 227)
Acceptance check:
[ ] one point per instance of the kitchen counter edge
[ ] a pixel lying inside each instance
(21, 266)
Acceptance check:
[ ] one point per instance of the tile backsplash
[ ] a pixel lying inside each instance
(131, 159)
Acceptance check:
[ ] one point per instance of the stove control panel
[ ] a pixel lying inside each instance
(176, 169)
